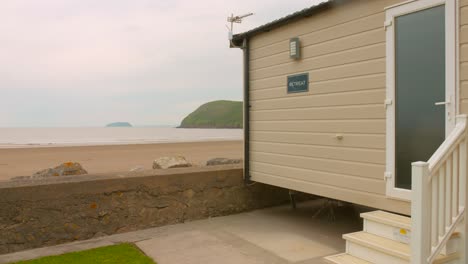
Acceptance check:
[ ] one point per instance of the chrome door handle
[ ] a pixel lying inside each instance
(442, 103)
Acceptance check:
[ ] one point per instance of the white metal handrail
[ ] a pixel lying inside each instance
(439, 195)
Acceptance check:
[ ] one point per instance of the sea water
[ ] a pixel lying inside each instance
(83, 136)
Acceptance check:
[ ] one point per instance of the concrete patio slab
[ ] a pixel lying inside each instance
(197, 247)
(276, 235)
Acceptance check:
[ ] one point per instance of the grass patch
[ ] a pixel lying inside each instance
(118, 254)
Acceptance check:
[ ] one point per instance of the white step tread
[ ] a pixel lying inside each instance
(379, 243)
(388, 246)
(388, 219)
(345, 259)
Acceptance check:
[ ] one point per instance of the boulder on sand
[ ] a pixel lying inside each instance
(171, 162)
(64, 169)
(222, 161)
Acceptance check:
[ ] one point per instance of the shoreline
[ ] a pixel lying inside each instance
(25, 161)
(116, 143)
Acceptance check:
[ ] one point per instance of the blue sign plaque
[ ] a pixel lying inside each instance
(298, 83)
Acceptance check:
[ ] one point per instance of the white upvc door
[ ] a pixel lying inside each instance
(424, 13)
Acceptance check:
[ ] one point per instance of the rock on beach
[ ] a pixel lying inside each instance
(64, 169)
(171, 162)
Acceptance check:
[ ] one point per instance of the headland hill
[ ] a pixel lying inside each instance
(215, 114)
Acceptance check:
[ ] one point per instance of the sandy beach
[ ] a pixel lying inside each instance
(115, 158)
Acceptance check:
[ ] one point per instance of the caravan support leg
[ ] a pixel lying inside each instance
(292, 198)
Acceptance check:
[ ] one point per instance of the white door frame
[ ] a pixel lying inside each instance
(451, 90)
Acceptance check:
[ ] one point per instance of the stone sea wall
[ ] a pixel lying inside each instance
(44, 212)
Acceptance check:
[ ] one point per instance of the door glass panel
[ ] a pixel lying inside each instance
(420, 83)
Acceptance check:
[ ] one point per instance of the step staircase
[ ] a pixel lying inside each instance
(385, 239)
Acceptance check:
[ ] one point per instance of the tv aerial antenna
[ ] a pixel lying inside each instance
(235, 19)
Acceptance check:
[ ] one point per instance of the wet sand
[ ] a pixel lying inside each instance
(116, 158)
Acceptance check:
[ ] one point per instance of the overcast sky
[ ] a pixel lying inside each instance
(148, 62)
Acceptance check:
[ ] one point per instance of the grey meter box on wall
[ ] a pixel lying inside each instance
(294, 48)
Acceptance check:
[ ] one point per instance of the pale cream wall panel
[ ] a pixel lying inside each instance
(322, 36)
(327, 74)
(464, 52)
(321, 113)
(464, 71)
(464, 106)
(325, 126)
(340, 13)
(374, 96)
(268, 51)
(373, 171)
(337, 153)
(330, 40)
(323, 139)
(464, 15)
(463, 56)
(342, 44)
(464, 90)
(374, 51)
(349, 70)
(268, 83)
(344, 194)
(374, 81)
(348, 84)
(333, 179)
(464, 34)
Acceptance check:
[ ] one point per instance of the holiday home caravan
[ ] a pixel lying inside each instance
(363, 101)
